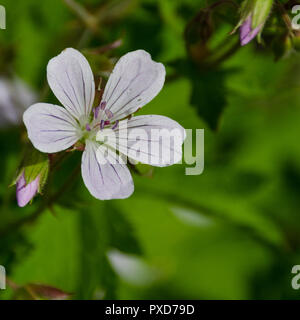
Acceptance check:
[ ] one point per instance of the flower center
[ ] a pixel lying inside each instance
(98, 122)
(89, 127)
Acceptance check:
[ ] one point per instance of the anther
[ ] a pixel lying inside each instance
(102, 124)
(96, 112)
(102, 105)
(109, 114)
(115, 125)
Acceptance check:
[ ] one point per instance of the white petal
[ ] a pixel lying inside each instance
(71, 80)
(151, 139)
(50, 128)
(105, 181)
(135, 81)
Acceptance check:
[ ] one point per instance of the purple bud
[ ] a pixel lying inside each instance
(88, 127)
(246, 32)
(25, 192)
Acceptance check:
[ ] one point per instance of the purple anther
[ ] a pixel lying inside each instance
(102, 124)
(115, 125)
(109, 114)
(102, 105)
(96, 112)
(87, 127)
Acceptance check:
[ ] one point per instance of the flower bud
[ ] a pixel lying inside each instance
(246, 31)
(254, 14)
(26, 191)
(31, 176)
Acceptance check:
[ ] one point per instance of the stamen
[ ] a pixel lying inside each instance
(87, 127)
(115, 125)
(102, 105)
(109, 114)
(102, 124)
(96, 112)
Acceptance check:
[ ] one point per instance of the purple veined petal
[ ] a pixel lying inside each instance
(25, 192)
(150, 139)
(111, 180)
(50, 128)
(246, 32)
(135, 81)
(71, 80)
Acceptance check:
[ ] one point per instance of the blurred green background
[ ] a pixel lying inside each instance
(232, 232)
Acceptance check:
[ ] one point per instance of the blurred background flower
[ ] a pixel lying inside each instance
(15, 97)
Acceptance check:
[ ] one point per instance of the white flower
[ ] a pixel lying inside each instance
(135, 81)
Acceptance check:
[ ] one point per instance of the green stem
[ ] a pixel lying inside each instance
(285, 18)
(218, 3)
(226, 55)
(88, 19)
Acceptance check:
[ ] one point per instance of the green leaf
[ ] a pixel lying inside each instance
(54, 257)
(209, 90)
(95, 275)
(102, 228)
(209, 95)
(35, 163)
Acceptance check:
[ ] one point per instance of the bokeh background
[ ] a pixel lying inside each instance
(232, 232)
